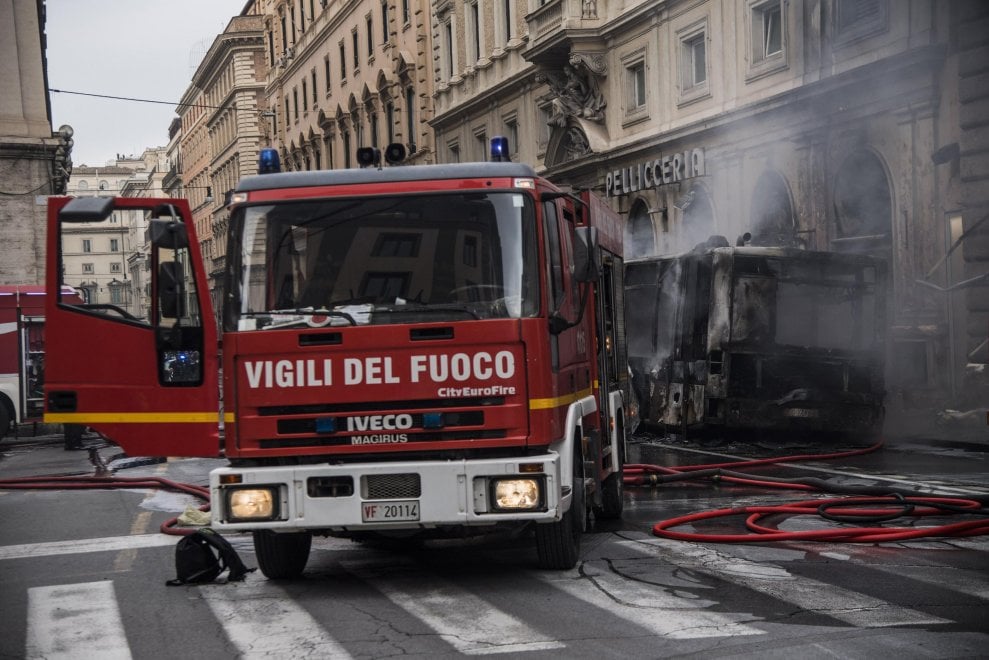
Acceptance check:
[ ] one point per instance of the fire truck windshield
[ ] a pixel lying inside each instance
(409, 258)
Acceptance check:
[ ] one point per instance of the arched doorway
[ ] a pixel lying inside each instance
(771, 213)
(640, 240)
(863, 205)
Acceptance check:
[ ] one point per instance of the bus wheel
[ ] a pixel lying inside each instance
(558, 543)
(282, 556)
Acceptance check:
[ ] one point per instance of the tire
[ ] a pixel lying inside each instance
(282, 556)
(558, 543)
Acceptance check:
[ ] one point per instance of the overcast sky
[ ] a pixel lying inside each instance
(146, 49)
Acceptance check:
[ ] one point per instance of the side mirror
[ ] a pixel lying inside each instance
(170, 290)
(587, 265)
(168, 234)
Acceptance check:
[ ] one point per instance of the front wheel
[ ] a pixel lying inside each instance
(282, 556)
(558, 543)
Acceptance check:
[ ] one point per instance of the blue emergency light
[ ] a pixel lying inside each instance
(268, 162)
(499, 148)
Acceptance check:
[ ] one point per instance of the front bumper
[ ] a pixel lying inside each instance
(445, 493)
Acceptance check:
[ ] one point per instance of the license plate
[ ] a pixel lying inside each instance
(801, 412)
(399, 511)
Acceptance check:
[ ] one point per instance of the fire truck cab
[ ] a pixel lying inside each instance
(408, 350)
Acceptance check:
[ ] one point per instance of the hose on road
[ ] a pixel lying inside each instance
(108, 482)
(864, 505)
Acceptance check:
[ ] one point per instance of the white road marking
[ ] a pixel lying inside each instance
(467, 622)
(857, 609)
(73, 621)
(105, 544)
(263, 621)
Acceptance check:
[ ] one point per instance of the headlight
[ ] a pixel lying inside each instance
(517, 494)
(252, 504)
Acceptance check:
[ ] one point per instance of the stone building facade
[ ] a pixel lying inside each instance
(345, 75)
(34, 161)
(848, 125)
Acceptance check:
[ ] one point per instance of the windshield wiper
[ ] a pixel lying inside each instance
(432, 309)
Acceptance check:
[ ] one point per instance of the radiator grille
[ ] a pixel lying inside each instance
(390, 486)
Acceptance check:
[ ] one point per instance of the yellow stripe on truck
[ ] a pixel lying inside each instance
(131, 418)
(558, 401)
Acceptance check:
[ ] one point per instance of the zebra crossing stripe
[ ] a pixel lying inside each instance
(76, 546)
(263, 621)
(857, 609)
(462, 619)
(67, 621)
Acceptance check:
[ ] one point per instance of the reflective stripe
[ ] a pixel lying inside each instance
(131, 418)
(558, 401)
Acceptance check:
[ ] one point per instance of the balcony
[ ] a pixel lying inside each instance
(560, 27)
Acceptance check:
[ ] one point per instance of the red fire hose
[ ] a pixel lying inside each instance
(82, 482)
(865, 504)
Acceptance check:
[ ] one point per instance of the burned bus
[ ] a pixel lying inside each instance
(742, 340)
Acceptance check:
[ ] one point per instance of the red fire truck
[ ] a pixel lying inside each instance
(406, 350)
(22, 353)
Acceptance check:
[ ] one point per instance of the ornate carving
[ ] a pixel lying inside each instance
(574, 144)
(577, 90)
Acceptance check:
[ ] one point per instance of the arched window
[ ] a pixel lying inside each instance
(639, 237)
(863, 206)
(772, 212)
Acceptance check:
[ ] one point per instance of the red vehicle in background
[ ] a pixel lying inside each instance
(22, 353)
(426, 350)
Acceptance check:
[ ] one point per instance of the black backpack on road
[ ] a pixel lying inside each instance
(201, 556)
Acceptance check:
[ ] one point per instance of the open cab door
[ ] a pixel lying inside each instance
(136, 359)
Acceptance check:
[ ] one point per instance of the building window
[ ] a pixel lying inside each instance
(768, 37)
(114, 245)
(506, 17)
(343, 63)
(855, 19)
(315, 94)
(635, 87)
(87, 269)
(369, 23)
(87, 245)
(114, 268)
(473, 31)
(453, 150)
(373, 117)
(692, 63)
(286, 112)
(295, 101)
(410, 111)
(384, 21)
(480, 146)
(326, 72)
(406, 14)
(356, 50)
(305, 94)
(448, 49)
(512, 133)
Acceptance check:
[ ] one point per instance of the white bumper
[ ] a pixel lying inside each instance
(450, 493)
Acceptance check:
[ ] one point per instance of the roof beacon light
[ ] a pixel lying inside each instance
(268, 162)
(499, 148)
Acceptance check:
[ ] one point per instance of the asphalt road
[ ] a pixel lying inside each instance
(82, 574)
